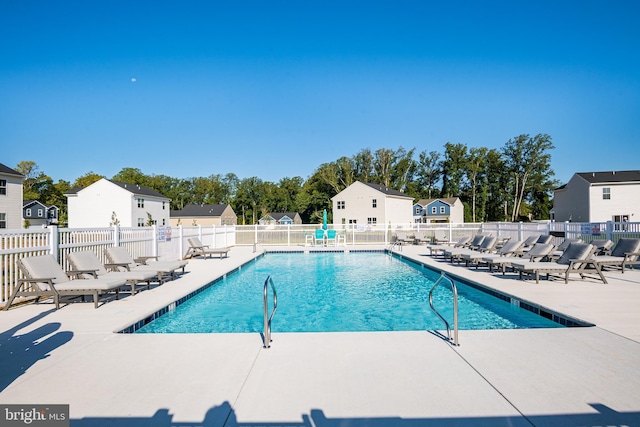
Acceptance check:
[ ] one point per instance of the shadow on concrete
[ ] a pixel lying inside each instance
(224, 416)
(19, 351)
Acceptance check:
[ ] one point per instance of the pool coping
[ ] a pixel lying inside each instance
(553, 315)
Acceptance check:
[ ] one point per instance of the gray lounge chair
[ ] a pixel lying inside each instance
(44, 277)
(509, 248)
(563, 247)
(536, 253)
(87, 264)
(624, 253)
(120, 259)
(575, 259)
(463, 241)
(196, 248)
(403, 237)
(488, 245)
(603, 246)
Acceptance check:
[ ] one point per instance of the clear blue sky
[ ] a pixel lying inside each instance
(273, 89)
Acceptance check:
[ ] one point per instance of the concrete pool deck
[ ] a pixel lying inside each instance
(535, 377)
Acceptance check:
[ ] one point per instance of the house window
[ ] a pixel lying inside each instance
(374, 203)
(3, 220)
(140, 222)
(164, 221)
(442, 210)
(434, 210)
(372, 221)
(417, 211)
(353, 221)
(163, 205)
(141, 203)
(3, 187)
(40, 213)
(606, 193)
(28, 212)
(340, 204)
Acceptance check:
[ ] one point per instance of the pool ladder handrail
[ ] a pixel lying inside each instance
(455, 308)
(393, 245)
(268, 318)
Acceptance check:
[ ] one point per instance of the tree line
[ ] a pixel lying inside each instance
(512, 183)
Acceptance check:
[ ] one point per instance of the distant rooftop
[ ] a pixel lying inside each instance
(610, 176)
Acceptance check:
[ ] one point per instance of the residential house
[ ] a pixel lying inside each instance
(281, 218)
(38, 214)
(106, 203)
(10, 198)
(599, 197)
(204, 215)
(450, 209)
(371, 204)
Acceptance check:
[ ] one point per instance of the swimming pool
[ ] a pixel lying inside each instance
(338, 292)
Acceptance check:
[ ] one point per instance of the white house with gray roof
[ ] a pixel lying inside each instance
(599, 197)
(106, 202)
(10, 198)
(371, 204)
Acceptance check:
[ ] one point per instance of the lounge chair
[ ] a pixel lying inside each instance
(474, 244)
(563, 247)
(463, 241)
(487, 246)
(575, 259)
(603, 246)
(318, 237)
(331, 237)
(421, 237)
(120, 259)
(530, 241)
(536, 253)
(44, 277)
(196, 248)
(403, 237)
(624, 253)
(87, 265)
(509, 248)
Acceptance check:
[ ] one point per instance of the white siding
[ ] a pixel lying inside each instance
(93, 206)
(625, 200)
(11, 203)
(572, 202)
(358, 202)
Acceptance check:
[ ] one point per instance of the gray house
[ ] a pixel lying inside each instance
(38, 214)
(281, 218)
(204, 214)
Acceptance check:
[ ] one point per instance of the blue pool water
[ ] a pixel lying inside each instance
(333, 292)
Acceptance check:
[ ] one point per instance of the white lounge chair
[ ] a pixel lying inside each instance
(487, 246)
(439, 249)
(44, 277)
(475, 258)
(87, 265)
(196, 248)
(120, 259)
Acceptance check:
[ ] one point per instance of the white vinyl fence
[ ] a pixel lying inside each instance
(171, 242)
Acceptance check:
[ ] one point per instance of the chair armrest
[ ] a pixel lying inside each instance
(76, 273)
(115, 266)
(48, 280)
(144, 259)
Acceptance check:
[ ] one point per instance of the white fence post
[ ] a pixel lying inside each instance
(154, 241)
(610, 230)
(53, 240)
(116, 235)
(180, 241)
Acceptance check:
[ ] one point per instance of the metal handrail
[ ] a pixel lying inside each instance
(268, 318)
(394, 244)
(455, 308)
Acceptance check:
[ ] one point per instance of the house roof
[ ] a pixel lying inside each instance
(610, 176)
(6, 170)
(277, 216)
(386, 190)
(448, 200)
(132, 188)
(200, 210)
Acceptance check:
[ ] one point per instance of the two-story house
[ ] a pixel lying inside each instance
(371, 204)
(599, 197)
(106, 203)
(450, 209)
(10, 198)
(38, 214)
(204, 215)
(281, 218)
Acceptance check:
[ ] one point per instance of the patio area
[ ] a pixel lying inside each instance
(534, 377)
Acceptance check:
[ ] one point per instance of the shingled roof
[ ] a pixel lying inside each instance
(610, 176)
(6, 170)
(386, 190)
(200, 210)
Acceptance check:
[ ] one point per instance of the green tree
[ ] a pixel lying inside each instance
(529, 165)
(453, 167)
(86, 180)
(428, 173)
